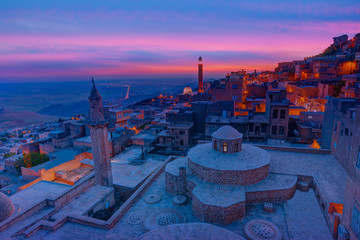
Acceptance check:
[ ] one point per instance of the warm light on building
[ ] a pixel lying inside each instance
(315, 145)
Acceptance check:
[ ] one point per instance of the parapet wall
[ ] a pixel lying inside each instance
(270, 196)
(217, 214)
(294, 149)
(49, 175)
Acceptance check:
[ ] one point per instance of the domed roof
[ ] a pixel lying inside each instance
(201, 231)
(227, 132)
(187, 90)
(6, 207)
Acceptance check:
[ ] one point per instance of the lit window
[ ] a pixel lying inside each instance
(225, 147)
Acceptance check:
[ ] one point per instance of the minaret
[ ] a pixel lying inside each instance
(200, 75)
(99, 139)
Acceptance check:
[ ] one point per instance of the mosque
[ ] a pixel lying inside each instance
(223, 176)
(222, 189)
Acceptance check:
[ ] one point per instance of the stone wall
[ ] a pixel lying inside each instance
(84, 184)
(270, 196)
(57, 203)
(352, 195)
(49, 175)
(295, 149)
(217, 214)
(175, 185)
(223, 177)
(124, 192)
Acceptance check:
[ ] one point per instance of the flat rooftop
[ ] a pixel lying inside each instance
(130, 176)
(60, 158)
(325, 169)
(300, 216)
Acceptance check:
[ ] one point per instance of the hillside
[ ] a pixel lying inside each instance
(12, 119)
(67, 110)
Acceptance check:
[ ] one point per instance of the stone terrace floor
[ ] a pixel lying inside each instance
(299, 218)
(323, 167)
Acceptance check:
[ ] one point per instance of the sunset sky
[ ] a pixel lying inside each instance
(43, 39)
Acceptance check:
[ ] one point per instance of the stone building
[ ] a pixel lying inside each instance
(277, 112)
(116, 116)
(334, 118)
(223, 176)
(231, 89)
(352, 86)
(338, 41)
(176, 135)
(345, 147)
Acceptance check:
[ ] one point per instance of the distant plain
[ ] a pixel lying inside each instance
(27, 103)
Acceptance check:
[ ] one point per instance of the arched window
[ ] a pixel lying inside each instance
(225, 147)
(236, 147)
(215, 145)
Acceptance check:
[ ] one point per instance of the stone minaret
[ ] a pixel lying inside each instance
(200, 75)
(99, 139)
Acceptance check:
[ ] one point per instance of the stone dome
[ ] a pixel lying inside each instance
(227, 133)
(6, 207)
(188, 91)
(201, 231)
(227, 140)
(246, 167)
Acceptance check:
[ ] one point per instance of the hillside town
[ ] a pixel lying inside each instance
(268, 149)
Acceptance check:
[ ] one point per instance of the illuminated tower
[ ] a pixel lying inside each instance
(200, 75)
(99, 139)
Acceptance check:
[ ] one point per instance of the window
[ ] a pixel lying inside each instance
(182, 132)
(358, 160)
(346, 131)
(251, 127)
(275, 113)
(215, 145)
(273, 130)
(181, 142)
(225, 147)
(234, 98)
(236, 147)
(281, 130)
(234, 86)
(263, 128)
(355, 221)
(282, 114)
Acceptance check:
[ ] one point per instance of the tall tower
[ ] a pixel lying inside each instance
(200, 75)
(99, 139)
